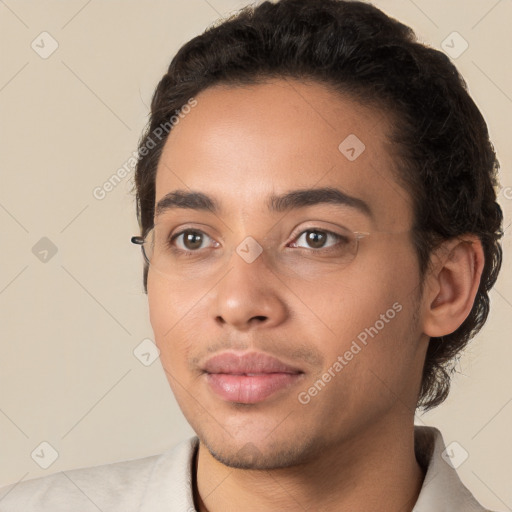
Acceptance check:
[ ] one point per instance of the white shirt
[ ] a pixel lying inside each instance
(163, 483)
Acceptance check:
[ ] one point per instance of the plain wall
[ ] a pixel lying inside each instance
(69, 325)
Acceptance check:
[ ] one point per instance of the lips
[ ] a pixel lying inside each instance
(249, 378)
(253, 362)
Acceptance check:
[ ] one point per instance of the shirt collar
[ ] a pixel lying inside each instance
(442, 489)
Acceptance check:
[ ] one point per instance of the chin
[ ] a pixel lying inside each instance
(266, 454)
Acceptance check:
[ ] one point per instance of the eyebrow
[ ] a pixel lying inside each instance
(294, 199)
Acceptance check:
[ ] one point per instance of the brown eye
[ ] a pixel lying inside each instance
(316, 239)
(191, 239)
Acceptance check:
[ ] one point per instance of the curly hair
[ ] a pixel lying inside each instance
(443, 154)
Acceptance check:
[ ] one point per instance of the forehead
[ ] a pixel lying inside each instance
(243, 144)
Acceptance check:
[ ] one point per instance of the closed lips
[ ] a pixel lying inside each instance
(249, 378)
(253, 363)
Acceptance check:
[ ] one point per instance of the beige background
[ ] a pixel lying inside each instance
(68, 374)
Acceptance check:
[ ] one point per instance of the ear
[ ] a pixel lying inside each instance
(451, 284)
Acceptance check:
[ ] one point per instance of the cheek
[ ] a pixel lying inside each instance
(369, 312)
(347, 302)
(173, 320)
(370, 354)
(160, 312)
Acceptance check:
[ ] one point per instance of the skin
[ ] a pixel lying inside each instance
(354, 441)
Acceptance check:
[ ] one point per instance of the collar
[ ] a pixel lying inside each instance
(442, 489)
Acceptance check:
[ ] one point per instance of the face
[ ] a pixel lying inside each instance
(278, 338)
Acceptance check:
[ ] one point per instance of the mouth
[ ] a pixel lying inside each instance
(249, 378)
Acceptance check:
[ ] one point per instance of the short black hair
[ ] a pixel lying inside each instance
(443, 154)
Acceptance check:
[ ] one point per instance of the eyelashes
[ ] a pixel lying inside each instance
(195, 235)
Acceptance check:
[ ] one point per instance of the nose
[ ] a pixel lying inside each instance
(249, 296)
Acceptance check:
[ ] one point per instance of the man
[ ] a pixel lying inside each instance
(319, 221)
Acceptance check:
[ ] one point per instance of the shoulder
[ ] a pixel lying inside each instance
(120, 486)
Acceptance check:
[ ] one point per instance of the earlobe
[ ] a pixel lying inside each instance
(452, 285)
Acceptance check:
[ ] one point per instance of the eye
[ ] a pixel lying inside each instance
(192, 239)
(317, 238)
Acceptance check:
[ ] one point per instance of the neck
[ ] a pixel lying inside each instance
(374, 470)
